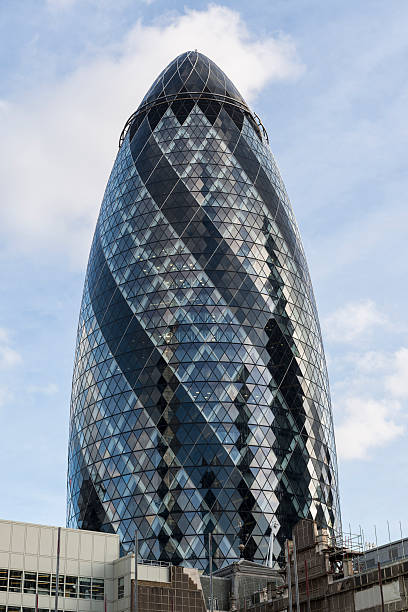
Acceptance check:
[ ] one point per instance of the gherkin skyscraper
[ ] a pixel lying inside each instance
(200, 399)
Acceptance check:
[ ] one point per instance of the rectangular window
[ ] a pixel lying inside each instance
(60, 587)
(121, 587)
(14, 609)
(2, 608)
(44, 581)
(28, 609)
(3, 579)
(85, 588)
(30, 582)
(15, 581)
(98, 590)
(71, 586)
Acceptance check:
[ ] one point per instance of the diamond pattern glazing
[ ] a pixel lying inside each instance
(200, 399)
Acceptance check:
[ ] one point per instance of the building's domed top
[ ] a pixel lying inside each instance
(189, 79)
(192, 73)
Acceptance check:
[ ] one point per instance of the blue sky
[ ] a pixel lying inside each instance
(329, 81)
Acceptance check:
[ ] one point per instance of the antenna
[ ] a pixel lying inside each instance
(376, 544)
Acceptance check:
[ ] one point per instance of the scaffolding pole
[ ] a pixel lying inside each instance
(296, 576)
(289, 577)
(381, 587)
(307, 586)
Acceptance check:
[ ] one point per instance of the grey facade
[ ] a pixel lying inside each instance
(384, 554)
(200, 399)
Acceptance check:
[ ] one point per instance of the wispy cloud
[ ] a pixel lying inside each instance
(352, 321)
(397, 381)
(9, 356)
(370, 385)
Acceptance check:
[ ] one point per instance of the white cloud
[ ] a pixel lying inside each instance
(9, 357)
(397, 381)
(367, 424)
(369, 400)
(368, 362)
(61, 141)
(352, 321)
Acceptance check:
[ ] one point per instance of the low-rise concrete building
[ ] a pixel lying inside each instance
(92, 576)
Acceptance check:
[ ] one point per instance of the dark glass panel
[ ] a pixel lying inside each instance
(30, 582)
(85, 588)
(98, 588)
(15, 581)
(71, 586)
(44, 583)
(3, 579)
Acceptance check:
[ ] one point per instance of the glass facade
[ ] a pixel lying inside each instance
(44, 584)
(200, 398)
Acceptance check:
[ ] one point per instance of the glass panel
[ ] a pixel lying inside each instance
(121, 587)
(85, 588)
(44, 584)
(15, 581)
(14, 609)
(3, 579)
(98, 590)
(71, 586)
(2, 608)
(30, 582)
(29, 610)
(60, 587)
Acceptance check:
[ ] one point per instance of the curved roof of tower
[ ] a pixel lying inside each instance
(191, 76)
(192, 73)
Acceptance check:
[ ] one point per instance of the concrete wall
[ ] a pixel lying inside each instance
(33, 548)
